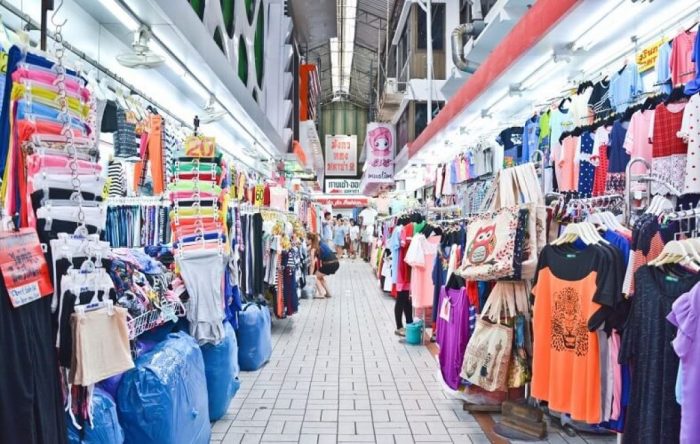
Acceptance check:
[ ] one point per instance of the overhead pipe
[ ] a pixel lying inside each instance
(461, 34)
(458, 41)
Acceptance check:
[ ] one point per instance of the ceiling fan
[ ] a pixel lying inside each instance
(212, 113)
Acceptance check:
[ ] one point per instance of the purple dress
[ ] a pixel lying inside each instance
(452, 334)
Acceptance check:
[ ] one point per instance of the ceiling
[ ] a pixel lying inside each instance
(370, 38)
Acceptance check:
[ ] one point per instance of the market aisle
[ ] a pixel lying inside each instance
(339, 374)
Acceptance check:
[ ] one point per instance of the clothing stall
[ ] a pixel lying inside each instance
(110, 265)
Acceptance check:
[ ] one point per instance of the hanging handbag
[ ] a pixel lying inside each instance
(491, 245)
(488, 353)
(520, 186)
(520, 370)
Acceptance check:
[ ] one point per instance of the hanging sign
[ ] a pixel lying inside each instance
(343, 202)
(646, 58)
(381, 146)
(259, 198)
(24, 267)
(341, 155)
(343, 186)
(200, 146)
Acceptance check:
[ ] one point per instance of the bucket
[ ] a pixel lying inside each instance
(414, 332)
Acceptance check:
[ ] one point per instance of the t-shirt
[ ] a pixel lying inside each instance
(690, 132)
(326, 253)
(565, 166)
(599, 101)
(395, 247)
(368, 216)
(579, 107)
(617, 156)
(637, 142)
(693, 86)
(559, 122)
(570, 289)
(685, 315)
(625, 85)
(511, 139)
(354, 232)
(682, 66)
(663, 68)
(421, 256)
(531, 139)
(327, 234)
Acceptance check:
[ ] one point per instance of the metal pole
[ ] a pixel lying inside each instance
(429, 48)
(46, 6)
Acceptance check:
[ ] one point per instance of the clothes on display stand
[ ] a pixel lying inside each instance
(102, 261)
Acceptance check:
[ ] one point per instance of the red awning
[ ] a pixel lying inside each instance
(543, 15)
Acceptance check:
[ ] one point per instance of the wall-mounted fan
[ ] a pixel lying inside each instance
(142, 57)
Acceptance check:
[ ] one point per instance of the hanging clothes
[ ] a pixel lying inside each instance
(653, 414)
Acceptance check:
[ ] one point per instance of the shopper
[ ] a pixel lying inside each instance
(341, 231)
(354, 235)
(325, 263)
(367, 217)
(327, 227)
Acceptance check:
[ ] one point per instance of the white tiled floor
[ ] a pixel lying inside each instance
(339, 374)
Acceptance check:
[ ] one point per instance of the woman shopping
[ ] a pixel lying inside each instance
(325, 263)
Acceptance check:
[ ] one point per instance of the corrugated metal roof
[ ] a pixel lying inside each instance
(370, 35)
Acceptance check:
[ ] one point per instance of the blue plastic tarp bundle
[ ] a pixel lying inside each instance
(164, 398)
(105, 427)
(254, 336)
(221, 368)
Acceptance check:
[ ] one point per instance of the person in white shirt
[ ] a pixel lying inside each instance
(367, 217)
(354, 238)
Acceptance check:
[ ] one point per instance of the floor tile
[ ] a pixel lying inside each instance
(338, 374)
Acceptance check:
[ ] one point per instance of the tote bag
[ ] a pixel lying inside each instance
(488, 353)
(520, 186)
(491, 245)
(520, 368)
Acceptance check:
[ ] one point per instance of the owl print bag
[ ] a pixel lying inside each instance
(488, 355)
(491, 245)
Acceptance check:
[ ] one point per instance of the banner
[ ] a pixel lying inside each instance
(343, 202)
(341, 155)
(311, 144)
(381, 146)
(342, 186)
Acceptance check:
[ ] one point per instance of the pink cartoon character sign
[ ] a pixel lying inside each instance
(381, 141)
(380, 158)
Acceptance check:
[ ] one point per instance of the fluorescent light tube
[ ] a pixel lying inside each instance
(125, 18)
(198, 89)
(170, 61)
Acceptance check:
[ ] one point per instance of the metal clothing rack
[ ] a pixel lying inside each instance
(138, 201)
(642, 178)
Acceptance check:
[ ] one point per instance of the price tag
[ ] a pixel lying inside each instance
(24, 267)
(445, 310)
(200, 146)
(259, 195)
